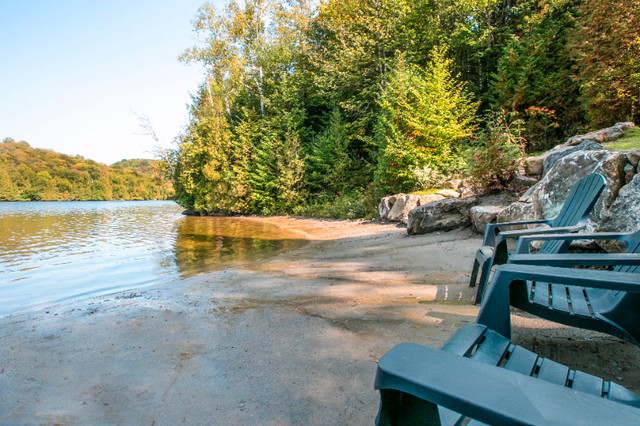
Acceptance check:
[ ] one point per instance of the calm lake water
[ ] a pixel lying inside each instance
(55, 251)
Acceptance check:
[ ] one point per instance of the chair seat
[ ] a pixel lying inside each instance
(525, 388)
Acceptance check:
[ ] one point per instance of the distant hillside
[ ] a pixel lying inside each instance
(28, 173)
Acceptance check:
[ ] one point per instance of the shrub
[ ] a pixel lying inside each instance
(497, 154)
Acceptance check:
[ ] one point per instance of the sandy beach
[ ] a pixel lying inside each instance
(288, 340)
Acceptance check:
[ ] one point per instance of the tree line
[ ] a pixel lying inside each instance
(320, 108)
(31, 174)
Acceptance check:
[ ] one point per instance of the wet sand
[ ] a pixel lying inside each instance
(288, 340)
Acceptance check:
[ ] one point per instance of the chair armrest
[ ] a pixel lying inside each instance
(577, 259)
(490, 230)
(491, 394)
(495, 312)
(537, 231)
(525, 241)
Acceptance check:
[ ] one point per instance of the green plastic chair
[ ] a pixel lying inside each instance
(480, 374)
(610, 311)
(572, 217)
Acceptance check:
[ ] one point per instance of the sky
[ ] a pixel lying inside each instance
(74, 74)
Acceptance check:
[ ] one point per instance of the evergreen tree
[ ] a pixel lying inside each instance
(424, 115)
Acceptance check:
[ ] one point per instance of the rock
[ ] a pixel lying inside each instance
(448, 193)
(551, 192)
(600, 136)
(443, 215)
(452, 184)
(527, 197)
(402, 206)
(533, 166)
(633, 155)
(385, 205)
(425, 199)
(466, 192)
(624, 125)
(517, 211)
(556, 155)
(520, 183)
(623, 215)
(482, 215)
(629, 168)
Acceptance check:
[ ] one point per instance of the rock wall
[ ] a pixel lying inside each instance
(556, 171)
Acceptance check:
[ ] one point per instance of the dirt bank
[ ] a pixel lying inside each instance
(290, 340)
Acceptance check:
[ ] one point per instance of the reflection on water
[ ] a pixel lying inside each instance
(203, 243)
(54, 251)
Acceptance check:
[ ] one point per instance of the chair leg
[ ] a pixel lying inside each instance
(485, 269)
(474, 273)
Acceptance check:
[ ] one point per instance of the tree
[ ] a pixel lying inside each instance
(536, 77)
(425, 113)
(607, 47)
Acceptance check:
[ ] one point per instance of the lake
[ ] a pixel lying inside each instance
(55, 251)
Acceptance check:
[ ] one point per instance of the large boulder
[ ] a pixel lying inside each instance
(623, 215)
(386, 204)
(603, 135)
(401, 208)
(517, 212)
(482, 215)
(443, 215)
(534, 166)
(560, 152)
(551, 192)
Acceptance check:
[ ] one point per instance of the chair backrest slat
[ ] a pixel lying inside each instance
(579, 203)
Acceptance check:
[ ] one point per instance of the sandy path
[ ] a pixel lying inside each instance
(290, 340)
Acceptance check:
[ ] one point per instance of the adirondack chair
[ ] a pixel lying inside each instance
(608, 310)
(480, 374)
(571, 218)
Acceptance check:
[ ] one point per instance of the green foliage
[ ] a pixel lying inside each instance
(28, 173)
(536, 77)
(497, 154)
(607, 47)
(424, 115)
(328, 162)
(319, 109)
(350, 205)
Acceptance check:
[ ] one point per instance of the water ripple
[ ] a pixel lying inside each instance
(54, 251)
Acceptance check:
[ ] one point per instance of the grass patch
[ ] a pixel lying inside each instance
(630, 140)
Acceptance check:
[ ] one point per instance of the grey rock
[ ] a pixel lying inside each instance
(633, 155)
(551, 192)
(517, 212)
(453, 184)
(386, 204)
(601, 136)
(482, 215)
(448, 193)
(443, 215)
(625, 125)
(521, 183)
(402, 206)
(623, 215)
(426, 199)
(533, 166)
(629, 168)
(556, 155)
(527, 197)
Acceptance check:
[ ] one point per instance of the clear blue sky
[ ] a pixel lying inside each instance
(71, 71)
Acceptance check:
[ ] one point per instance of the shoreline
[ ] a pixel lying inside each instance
(292, 339)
